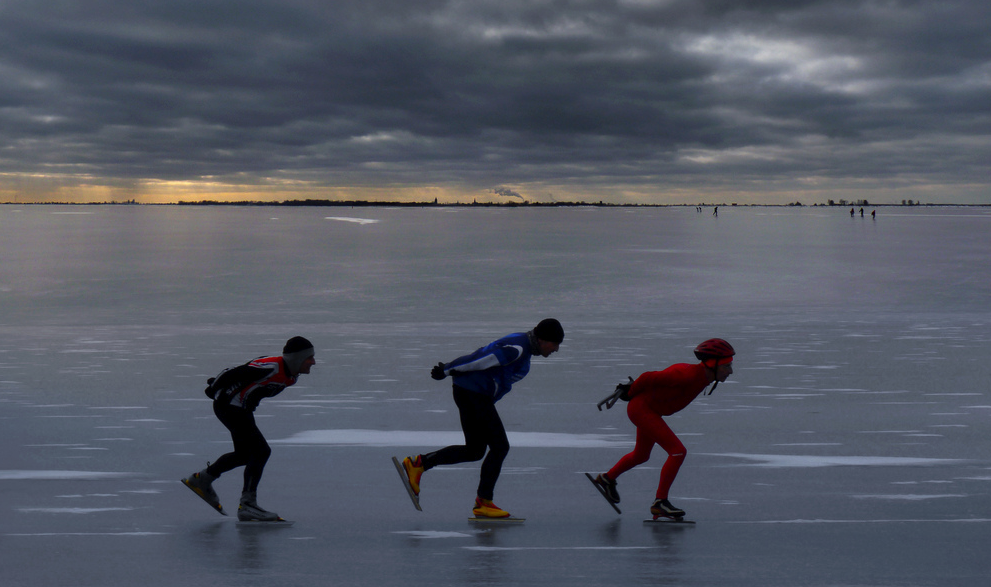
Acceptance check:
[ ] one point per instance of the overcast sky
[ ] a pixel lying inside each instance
(661, 101)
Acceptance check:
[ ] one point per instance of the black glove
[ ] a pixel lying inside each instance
(438, 372)
(622, 392)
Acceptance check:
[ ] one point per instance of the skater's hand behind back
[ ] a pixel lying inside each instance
(438, 371)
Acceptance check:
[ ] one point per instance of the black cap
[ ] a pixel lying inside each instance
(550, 330)
(296, 344)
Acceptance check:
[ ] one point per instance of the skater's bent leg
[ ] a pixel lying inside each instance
(668, 472)
(676, 456)
(498, 449)
(256, 465)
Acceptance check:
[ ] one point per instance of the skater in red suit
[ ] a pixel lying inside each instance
(656, 394)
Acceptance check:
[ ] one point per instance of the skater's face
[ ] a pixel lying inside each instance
(545, 348)
(304, 369)
(724, 371)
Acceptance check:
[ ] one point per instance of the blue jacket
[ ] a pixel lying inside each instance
(493, 369)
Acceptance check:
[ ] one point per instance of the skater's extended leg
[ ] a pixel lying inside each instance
(637, 410)
(472, 420)
(639, 455)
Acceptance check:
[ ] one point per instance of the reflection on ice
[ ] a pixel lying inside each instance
(445, 438)
(60, 475)
(89, 534)
(493, 548)
(433, 534)
(881, 521)
(72, 510)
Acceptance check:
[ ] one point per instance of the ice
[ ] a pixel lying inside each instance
(802, 461)
(438, 439)
(60, 475)
(848, 448)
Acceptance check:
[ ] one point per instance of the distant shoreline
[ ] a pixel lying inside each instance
(371, 204)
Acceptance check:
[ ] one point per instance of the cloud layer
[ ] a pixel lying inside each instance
(621, 100)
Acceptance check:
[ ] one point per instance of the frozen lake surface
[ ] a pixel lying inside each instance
(849, 448)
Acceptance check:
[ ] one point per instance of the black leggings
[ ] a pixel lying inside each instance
(250, 448)
(483, 429)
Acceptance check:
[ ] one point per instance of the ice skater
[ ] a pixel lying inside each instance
(236, 393)
(652, 396)
(480, 380)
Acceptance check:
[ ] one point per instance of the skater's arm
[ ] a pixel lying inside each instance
(485, 358)
(232, 380)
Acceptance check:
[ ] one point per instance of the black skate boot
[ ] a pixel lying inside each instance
(608, 487)
(662, 508)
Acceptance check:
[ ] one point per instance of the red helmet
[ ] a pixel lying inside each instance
(714, 348)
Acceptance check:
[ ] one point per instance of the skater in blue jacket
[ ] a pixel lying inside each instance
(480, 380)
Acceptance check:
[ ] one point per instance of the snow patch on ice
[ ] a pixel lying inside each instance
(908, 496)
(807, 461)
(361, 221)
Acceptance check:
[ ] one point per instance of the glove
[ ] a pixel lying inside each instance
(438, 372)
(622, 392)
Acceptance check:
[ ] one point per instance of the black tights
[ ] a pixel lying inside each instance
(250, 449)
(483, 429)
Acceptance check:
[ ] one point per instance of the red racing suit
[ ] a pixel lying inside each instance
(655, 394)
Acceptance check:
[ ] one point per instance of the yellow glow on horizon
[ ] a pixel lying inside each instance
(83, 189)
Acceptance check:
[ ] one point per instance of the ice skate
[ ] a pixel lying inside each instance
(202, 485)
(250, 511)
(484, 508)
(608, 487)
(414, 470)
(662, 508)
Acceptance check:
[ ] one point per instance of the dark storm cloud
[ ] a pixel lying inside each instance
(663, 95)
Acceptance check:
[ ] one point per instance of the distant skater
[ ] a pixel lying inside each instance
(480, 380)
(715, 211)
(873, 212)
(652, 396)
(861, 212)
(236, 393)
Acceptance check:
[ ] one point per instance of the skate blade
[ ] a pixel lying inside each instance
(484, 520)
(661, 520)
(216, 506)
(409, 488)
(280, 523)
(603, 493)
